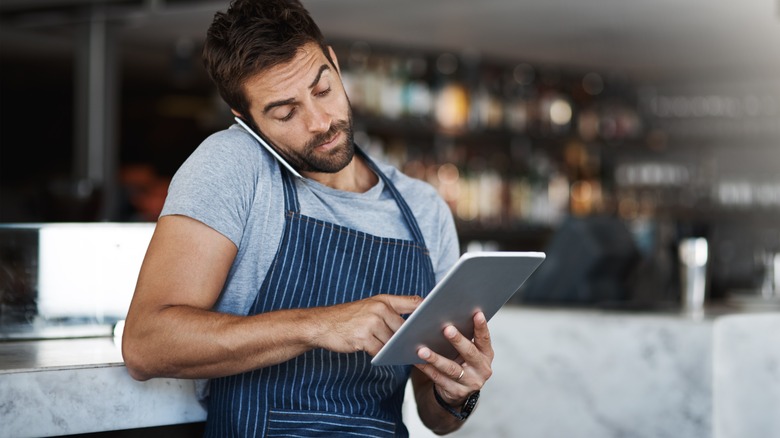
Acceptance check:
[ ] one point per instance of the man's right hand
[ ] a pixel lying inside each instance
(364, 325)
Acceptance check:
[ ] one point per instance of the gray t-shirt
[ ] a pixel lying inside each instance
(234, 186)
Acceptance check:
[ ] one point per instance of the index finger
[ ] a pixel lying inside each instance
(401, 304)
(482, 335)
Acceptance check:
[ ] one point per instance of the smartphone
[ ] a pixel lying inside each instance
(269, 148)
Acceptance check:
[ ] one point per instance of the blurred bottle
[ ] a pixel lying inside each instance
(418, 98)
(771, 280)
(487, 106)
(694, 255)
(452, 107)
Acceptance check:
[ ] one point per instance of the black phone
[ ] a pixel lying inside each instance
(269, 148)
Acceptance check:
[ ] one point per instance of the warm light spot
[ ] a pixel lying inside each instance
(560, 112)
(448, 173)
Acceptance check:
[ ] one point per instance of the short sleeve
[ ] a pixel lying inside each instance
(216, 185)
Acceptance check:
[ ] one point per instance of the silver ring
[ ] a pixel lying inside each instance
(462, 372)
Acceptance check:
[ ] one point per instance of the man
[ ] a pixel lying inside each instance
(280, 289)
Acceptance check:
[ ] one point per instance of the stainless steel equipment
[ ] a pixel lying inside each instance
(68, 279)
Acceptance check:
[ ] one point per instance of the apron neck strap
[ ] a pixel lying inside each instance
(291, 202)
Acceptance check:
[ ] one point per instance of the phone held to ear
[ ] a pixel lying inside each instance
(268, 148)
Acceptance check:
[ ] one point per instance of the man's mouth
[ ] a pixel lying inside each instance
(333, 141)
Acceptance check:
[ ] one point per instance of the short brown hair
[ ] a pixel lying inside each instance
(251, 36)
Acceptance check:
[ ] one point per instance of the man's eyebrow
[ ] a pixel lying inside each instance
(278, 103)
(273, 105)
(323, 67)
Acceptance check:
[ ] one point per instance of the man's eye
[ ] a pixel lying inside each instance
(324, 92)
(288, 116)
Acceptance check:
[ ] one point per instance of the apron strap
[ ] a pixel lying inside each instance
(291, 202)
(290, 193)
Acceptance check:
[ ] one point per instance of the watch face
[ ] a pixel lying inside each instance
(470, 404)
(465, 410)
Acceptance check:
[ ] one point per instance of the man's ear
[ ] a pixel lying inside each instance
(236, 113)
(333, 57)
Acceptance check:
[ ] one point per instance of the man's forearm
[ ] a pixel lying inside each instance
(188, 342)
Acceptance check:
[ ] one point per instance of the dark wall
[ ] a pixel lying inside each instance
(166, 108)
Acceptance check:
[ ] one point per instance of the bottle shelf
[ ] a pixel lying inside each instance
(511, 148)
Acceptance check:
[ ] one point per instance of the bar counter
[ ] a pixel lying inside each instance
(557, 372)
(71, 386)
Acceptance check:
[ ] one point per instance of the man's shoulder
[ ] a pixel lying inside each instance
(233, 140)
(228, 159)
(233, 150)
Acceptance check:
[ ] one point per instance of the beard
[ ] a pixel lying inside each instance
(332, 161)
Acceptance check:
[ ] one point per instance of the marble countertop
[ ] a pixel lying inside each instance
(593, 374)
(70, 386)
(558, 372)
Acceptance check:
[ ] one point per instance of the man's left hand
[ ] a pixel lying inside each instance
(456, 379)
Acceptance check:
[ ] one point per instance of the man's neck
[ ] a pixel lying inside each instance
(356, 177)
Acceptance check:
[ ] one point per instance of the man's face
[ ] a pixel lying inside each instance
(302, 109)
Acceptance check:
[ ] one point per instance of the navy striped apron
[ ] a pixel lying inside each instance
(321, 393)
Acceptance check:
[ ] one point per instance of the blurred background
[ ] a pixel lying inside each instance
(596, 130)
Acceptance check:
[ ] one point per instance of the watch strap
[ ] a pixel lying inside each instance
(465, 410)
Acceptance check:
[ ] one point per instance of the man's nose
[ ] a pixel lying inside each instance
(319, 118)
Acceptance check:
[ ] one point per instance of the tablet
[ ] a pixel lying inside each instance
(479, 281)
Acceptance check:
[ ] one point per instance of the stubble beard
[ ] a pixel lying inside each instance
(331, 161)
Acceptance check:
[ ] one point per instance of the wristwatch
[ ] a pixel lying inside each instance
(465, 410)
